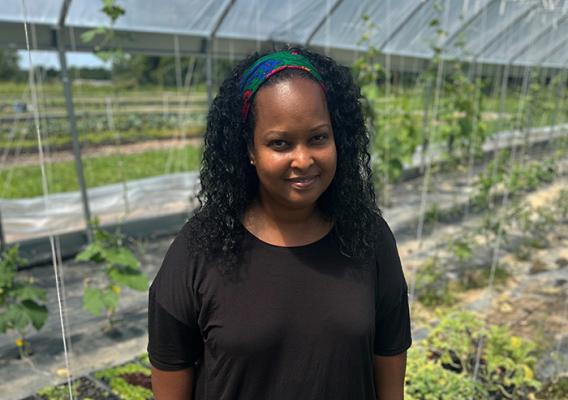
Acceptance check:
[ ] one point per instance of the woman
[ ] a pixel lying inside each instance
(286, 283)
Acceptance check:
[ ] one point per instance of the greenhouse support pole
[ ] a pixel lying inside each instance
(72, 120)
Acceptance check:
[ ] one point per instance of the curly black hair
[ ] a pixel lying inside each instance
(229, 183)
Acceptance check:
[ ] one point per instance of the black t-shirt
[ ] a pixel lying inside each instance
(301, 322)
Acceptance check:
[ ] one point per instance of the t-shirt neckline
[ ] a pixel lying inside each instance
(275, 246)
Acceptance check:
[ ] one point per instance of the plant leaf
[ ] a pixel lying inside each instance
(37, 313)
(27, 292)
(110, 299)
(130, 277)
(121, 256)
(16, 317)
(93, 300)
(92, 252)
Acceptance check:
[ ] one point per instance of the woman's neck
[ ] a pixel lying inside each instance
(283, 226)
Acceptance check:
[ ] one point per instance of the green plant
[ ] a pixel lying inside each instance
(462, 128)
(130, 381)
(21, 302)
(429, 380)
(106, 35)
(432, 213)
(493, 174)
(529, 176)
(557, 389)
(392, 125)
(432, 284)
(82, 388)
(443, 365)
(121, 268)
(461, 248)
(475, 278)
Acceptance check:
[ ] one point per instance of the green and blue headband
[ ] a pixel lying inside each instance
(265, 67)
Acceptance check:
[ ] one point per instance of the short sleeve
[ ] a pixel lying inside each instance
(392, 319)
(174, 338)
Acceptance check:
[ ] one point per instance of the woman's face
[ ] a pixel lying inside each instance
(294, 149)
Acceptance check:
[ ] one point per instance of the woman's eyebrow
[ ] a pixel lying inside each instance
(323, 125)
(276, 132)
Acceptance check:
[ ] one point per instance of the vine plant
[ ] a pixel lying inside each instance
(105, 35)
(393, 132)
(121, 268)
(22, 303)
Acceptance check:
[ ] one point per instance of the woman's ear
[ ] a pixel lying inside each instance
(251, 156)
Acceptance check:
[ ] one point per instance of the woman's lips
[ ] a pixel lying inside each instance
(303, 182)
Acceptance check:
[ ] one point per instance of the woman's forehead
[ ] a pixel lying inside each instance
(295, 98)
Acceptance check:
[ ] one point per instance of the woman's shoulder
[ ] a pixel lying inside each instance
(382, 230)
(180, 260)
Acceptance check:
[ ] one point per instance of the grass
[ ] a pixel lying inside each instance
(24, 182)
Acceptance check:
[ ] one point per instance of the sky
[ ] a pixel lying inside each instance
(50, 59)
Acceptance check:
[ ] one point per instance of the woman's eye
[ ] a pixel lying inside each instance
(320, 138)
(278, 144)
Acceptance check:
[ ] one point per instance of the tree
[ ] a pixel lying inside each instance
(9, 68)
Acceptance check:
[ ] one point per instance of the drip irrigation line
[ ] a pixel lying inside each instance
(45, 197)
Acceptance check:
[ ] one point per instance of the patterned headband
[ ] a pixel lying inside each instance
(265, 67)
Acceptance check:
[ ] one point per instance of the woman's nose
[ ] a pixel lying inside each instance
(302, 158)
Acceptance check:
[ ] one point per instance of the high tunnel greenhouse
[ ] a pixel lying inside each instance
(466, 116)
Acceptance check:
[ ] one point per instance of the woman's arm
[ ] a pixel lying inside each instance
(172, 385)
(389, 376)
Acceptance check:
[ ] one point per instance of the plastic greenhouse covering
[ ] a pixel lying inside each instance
(516, 32)
(26, 218)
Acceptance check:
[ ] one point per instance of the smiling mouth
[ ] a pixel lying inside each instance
(303, 182)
